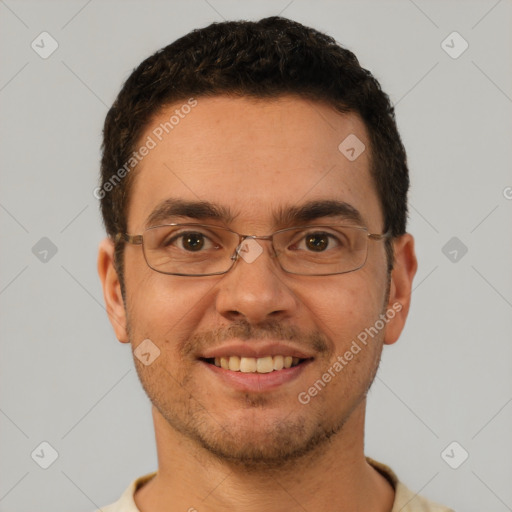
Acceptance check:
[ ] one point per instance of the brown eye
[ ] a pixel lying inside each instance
(317, 242)
(192, 241)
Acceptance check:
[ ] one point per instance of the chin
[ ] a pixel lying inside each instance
(261, 441)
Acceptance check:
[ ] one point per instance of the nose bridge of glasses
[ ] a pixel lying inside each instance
(256, 237)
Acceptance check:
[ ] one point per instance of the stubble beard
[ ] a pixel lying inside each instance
(276, 445)
(256, 445)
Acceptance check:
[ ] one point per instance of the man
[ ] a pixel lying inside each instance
(254, 190)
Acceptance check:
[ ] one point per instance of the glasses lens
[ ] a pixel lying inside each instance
(189, 249)
(321, 250)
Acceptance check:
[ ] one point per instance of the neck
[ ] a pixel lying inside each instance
(334, 477)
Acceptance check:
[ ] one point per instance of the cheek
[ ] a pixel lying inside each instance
(167, 309)
(344, 306)
(345, 311)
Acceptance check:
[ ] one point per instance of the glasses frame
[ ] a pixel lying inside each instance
(139, 240)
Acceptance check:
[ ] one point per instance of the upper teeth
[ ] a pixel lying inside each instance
(252, 364)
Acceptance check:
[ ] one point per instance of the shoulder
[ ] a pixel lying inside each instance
(126, 502)
(405, 499)
(409, 501)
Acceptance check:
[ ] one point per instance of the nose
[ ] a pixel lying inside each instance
(256, 288)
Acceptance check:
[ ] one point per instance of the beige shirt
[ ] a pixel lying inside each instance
(405, 499)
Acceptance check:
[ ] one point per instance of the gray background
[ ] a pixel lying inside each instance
(67, 381)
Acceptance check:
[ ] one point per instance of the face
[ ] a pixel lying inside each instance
(255, 160)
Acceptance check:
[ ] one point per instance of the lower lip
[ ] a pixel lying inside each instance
(257, 382)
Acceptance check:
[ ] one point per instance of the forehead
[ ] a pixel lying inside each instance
(253, 159)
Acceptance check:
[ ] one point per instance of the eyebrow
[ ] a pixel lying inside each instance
(284, 215)
(198, 210)
(314, 210)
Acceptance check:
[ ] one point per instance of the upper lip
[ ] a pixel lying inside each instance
(254, 349)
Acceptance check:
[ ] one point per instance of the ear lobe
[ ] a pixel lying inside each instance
(402, 277)
(112, 289)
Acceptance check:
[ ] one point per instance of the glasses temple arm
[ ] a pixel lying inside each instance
(131, 239)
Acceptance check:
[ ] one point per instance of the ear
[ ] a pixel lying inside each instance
(402, 275)
(112, 289)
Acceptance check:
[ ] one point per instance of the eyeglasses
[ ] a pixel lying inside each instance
(206, 250)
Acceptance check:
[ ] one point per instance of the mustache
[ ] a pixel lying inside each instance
(243, 330)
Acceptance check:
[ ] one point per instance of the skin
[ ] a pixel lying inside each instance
(224, 449)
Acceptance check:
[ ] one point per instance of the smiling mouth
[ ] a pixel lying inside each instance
(265, 364)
